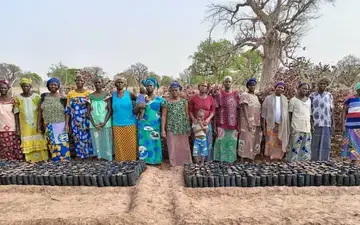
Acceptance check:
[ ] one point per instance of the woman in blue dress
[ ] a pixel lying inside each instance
(149, 136)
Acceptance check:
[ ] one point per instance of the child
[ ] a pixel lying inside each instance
(200, 129)
(141, 100)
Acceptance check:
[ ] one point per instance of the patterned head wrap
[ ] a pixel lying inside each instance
(280, 83)
(251, 81)
(150, 80)
(5, 82)
(53, 80)
(25, 81)
(175, 84)
(227, 78)
(357, 86)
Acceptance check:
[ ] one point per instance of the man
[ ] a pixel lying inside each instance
(276, 123)
(322, 121)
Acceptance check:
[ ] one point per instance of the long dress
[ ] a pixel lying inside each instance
(226, 120)
(351, 145)
(9, 141)
(102, 139)
(177, 132)
(80, 125)
(33, 144)
(249, 140)
(124, 127)
(53, 111)
(149, 132)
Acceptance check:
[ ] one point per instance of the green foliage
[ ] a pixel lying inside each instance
(36, 79)
(245, 66)
(166, 80)
(63, 73)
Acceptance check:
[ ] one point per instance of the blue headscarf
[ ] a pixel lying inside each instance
(280, 83)
(53, 80)
(150, 80)
(175, 84)
(251, 81)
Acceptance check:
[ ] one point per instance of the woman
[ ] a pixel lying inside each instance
(299, 116)
(351, 126)
(76, 113)
(100, 127)
(52, 112)
(226, 102)
(276, 123)
(149, 139)
(250, 124)
(205, 102)
(33, 143)
(124, 122)
(322, 107)
(175, 126)
(9, 140)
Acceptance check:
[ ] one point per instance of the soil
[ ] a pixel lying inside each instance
(160, 198)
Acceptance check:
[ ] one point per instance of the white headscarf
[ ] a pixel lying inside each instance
(227, 78)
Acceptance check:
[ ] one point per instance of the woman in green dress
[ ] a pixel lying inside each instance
(100, 127)
(149, 138)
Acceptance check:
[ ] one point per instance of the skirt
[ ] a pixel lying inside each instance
(249, 143)
(125, 144)
(10, 146)
(58, 141)
(273, 145)
(351, 145)
(300, 147)
(102, 142)
(225, 145)
(321, 144)
(178, 149)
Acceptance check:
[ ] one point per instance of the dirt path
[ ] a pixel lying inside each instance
(160, 198)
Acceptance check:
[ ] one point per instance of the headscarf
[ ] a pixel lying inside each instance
(53, 80)
(302, 84)
(119, 77)
(175, 84)
(280, 83)
(25, 81)
(324, 79)
(5, 82)
(251, 81)
(227, 78)
(150, 80)
(357, 86)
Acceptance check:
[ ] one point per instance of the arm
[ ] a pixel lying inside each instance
(89, 114)
(39, 119)
(109, 113)
(132, 96)
(163, 121)
(67, 115)
(187, 111)
(246, 114)
(344, 113)
(17, 123)
(212, 110)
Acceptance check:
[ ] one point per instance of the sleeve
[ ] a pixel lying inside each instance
(291, 105)
(347, 101)
(263, 108)
(212, 104)
(243, 99)
(331, 101)
(164, 103)
(16, 105)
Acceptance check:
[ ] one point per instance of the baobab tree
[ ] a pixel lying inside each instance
(273, 26)
(139, 71)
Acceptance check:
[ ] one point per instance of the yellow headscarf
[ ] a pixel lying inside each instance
(25, 81)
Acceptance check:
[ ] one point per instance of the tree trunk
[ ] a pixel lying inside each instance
(271, 62)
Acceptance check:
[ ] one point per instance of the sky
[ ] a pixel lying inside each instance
(161, 34)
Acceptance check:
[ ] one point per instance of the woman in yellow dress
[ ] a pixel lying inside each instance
(33, 143)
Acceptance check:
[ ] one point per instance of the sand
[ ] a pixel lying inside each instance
(160, 198)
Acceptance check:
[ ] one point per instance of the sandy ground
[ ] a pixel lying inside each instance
(160, 198)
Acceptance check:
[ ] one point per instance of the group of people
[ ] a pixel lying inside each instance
(223, 125)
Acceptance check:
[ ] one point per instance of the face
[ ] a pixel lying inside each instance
(175, 92)
(202, 88)
(251, 87)
(26, 88)
(279, 90)
(200, 116)
(304, 90)
(120, 84)
(98, 83)
(322, 86)
(150, 88)
(227, 84)
(3, 89)
(53, 87)
(79, 82)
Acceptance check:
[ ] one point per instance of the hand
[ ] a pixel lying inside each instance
(312, 129)
(163, 134)
(18, 131)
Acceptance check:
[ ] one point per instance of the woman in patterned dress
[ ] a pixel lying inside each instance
(76, 113)
(9, 140)
(52, 113)
(33, 143)
(250, 126)
(124, 122)
(175, 126)
(100, 127)
(149, 138)
(226, 102)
